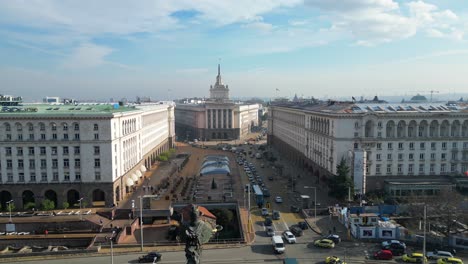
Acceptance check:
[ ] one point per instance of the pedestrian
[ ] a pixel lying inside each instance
(101, 222)
(334, 229)
(46, 232)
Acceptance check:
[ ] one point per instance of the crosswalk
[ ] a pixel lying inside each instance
(283, 224)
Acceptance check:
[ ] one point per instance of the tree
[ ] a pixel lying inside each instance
(65, 205)
(213, 184)
(224, 217)
(10, 207)
(30, 205)
(48, 205)
(342, 182)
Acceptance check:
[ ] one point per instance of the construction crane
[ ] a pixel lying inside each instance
(431, 92)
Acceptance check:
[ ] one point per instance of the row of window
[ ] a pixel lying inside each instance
(45, 177)
(421, 168)
(54, 136)
(53, 150)
(422, 156)
(42, 127)
(55, 163)
(412, 145)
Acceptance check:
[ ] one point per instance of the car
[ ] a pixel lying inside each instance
(270, 178)
(303, 225)
(333, 237)
(296, 230)
(276, 215)
(262, 165)
(334, 260)
(324, 243)
(278, 199)
(265, 211)
(151, 257)
(268, 221)
(398, 248)
(383, 254)
(449, 261)
(437, 254)
(270, 231)
(288, 236)
(266, 193)
(295, 209)
(413, 258)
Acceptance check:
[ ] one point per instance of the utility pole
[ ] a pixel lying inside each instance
(249, 207)
(141, 221)
(424, 234)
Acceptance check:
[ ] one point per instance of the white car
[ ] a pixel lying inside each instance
(439, 254)
(265, 211)
(278, 199)
(288, 236)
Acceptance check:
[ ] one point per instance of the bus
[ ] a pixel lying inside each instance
(258, 195)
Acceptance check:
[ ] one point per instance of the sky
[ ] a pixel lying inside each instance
(267, 48)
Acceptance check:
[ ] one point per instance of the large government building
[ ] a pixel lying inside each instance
(404, 149)
(66, 152)
(217, 118)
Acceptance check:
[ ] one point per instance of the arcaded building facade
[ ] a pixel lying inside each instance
(381, 143)
(218, 118)
(92, 151)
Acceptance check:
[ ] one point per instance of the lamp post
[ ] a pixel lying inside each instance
(141, 220)
(315, 201)
(111, 239)
(424, 232)
(9, 207)
(81, 214)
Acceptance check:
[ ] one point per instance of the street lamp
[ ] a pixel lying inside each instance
(81, 214)
(9, 207)
(315, 201)
(141, 220)
(111, 239)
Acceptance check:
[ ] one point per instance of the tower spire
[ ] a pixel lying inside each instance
(219, 69)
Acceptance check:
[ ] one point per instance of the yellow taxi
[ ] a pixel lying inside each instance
(449, 261)
(324, 243)
(414, 258)
(334, 260)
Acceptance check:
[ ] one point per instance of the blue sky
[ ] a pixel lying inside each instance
(322, 48)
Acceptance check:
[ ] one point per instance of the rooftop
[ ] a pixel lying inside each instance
(67, 109)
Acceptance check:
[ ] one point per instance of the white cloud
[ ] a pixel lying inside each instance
(260, 26)
(377, 21)
(87, 55)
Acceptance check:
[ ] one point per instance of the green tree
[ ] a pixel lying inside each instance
(65, 205)
(213, 184)
(30, 205)
(224, 217)
(342, 182)
(10, 207)
(48, 205)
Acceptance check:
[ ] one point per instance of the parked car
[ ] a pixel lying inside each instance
(265, 211)
(303, 225)
(278, 199)
(414, 258)
(449, 261)
(288, 236)
(333, 237)
(398, 248)
(437, 254)
(276, 215)
(151, 257)
(296, 230)
(324, 243)
(383, 254)
(270, 231)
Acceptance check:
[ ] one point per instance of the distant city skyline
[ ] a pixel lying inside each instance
(269, 48)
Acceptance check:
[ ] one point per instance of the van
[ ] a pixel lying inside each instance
(278, 244)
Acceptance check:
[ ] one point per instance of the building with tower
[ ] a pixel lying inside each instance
(217, 118)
